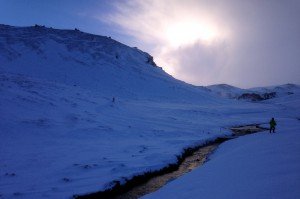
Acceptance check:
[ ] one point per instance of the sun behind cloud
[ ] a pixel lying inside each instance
(180, 33)
(183, 36)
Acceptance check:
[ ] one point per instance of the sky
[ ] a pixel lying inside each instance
(238, 42)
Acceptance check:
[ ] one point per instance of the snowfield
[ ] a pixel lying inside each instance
(61, 133)
(259, 166)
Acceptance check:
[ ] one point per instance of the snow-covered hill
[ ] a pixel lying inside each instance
(254, 94)
(225, 90)
(89, 61)
(61, 133)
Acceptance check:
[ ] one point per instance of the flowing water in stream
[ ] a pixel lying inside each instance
(190, 162)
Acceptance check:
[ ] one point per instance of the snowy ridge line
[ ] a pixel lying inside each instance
(93, 62)
(254, 94)
(118, 188)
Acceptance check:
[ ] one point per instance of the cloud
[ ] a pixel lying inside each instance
(198, 62)
(185, 54)
(206, 42)
(150, 20)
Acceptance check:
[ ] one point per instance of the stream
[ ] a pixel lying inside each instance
(190, 160)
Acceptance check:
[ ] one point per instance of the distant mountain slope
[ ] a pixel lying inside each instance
(90, 61)
(281, 90)
(254, 94)
(225, 90)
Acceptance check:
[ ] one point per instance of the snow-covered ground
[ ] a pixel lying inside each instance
(61, 134)
(258, 166)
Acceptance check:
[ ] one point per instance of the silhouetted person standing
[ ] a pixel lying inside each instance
(272, 125)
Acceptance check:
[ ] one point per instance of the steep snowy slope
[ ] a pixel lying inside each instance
(93, 62)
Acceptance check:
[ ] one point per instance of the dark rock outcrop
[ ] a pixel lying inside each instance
(257, 97)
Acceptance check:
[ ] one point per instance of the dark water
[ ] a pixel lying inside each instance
(190, 163)
(195, 160)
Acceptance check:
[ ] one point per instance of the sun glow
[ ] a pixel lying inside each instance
(188, 32)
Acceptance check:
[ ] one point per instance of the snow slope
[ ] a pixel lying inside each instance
(225, 90)
(89, 61)
(60, 132)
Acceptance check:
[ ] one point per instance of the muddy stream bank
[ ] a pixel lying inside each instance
(149, 182)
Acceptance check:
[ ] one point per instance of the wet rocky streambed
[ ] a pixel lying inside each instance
(149, 182)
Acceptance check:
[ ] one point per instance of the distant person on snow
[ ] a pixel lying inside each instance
(272, 125)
